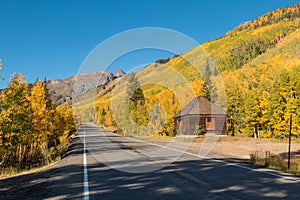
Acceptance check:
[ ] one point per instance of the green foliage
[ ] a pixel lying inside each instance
(245, 51)
(200, 130)
(102, 115)
(137, 109)
(168, 128)
(49, 103)
(206, 88)
(162, 61)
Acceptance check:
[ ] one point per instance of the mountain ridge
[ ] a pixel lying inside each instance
(62, 90)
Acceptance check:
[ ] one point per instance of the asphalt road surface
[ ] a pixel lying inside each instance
(102, 165)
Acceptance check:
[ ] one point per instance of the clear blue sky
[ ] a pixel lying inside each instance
(52, 37)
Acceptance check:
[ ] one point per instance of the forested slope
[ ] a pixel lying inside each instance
(252, 72)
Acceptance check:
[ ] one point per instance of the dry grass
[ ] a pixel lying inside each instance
(273, 161)
(55, 155)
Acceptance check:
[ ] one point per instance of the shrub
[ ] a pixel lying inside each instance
(200, 130)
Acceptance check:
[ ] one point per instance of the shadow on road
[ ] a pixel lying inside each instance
(202, 179)
(185, 179)
(62, 180)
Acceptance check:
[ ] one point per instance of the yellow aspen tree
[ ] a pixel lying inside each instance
(38, 106)
(15, 123)
(65, 114)
(108, 118)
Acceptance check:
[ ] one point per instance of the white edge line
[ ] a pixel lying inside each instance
(213, 159)
(85, 171)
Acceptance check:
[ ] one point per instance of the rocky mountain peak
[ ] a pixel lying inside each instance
(63, 89)
(119, 73)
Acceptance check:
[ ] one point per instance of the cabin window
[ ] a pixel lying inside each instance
(210, 123)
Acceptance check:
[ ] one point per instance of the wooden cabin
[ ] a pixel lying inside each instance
(200, 113)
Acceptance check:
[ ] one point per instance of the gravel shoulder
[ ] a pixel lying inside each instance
(228, 147)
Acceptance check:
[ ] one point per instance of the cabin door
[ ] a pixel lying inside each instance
(210, 123)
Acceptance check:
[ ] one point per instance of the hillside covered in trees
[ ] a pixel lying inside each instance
(252, 72)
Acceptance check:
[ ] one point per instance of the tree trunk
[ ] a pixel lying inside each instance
(256, 133)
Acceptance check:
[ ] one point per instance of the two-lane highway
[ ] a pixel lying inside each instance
(102, 165)
(120, 168)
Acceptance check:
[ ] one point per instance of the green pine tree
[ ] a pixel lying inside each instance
(208, 89)
(136, 101)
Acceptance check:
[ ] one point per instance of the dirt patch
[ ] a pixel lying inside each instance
(238, 147)
(242, 147)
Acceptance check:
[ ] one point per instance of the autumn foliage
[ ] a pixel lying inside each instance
(252, 72)
(28, 117)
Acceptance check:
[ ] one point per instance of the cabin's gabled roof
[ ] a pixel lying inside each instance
(200, 106)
